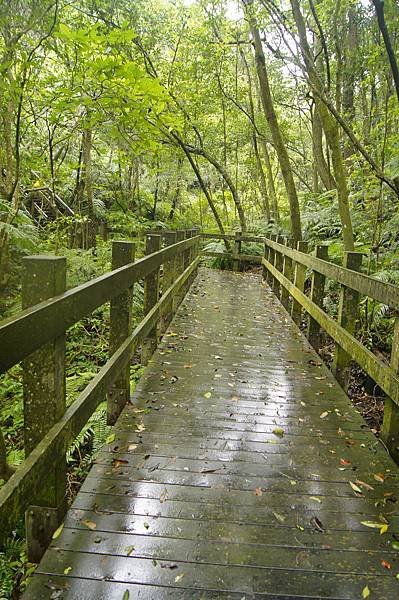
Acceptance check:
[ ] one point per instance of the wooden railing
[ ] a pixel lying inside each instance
(37, 337)
(286, 268)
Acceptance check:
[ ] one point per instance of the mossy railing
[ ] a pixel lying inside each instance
(37, 337)
(285, 269)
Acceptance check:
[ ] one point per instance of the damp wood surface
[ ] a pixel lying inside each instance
(239, 470)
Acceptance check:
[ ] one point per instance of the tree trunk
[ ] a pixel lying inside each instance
(270, 181)
(379, 9)
(262, 179)
(278, 142)
(331, 130)
(318, 153)
(86, 176)
(203, 186)
(223, 172)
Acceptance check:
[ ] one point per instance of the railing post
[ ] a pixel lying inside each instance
(44, 403)
(287, 272)
(317, 296)
(123, 253)
(169, 277)
(272, 258)
(390, 424)
(151, 297)
(299, 282)
(179, 266)
(278, 263)
(237, 251)
(266, 252)
(348, 313)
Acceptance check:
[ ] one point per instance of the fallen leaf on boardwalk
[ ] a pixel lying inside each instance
(317, 524)
(146, 525)
(258, 492)
(207, 395)
(170, 566)
(131, 447)
(140, 428)
(355, 487)
(110, 439)
(58, 531)
(380, 477)
(278, 431)
(279, 517)
(69, 569)
(90, 524)
(126, 595)
(324, 414)
(179, 577)
(188, 366)
(386, 564)
(345, 462)
(315, 499)
(163, 496)
(383, 527)
(366, 592)
(129, 550)
(364, 484)
(118, 462)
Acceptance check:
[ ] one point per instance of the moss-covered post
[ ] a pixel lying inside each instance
(278, 263)
(299, 281)
(197, 249)
(123, 253)
(272, 258)
(169, 277)
(269, 258)
(390, 425)
(237, 250)
(348, 314)
(287, 272)
(317, 296)
(44, 402)
(179, 266)
(151, 297)
(266, 257)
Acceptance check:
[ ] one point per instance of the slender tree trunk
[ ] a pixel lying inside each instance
(223, 172)
(176, 195)
(87, 145)
(261, 173)
(318, 153)
(379, 9)
(331, 130)
(203, 186)
(270, 181)
(262, 178)
(278, 142)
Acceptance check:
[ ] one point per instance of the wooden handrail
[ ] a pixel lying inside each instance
(382, 374)
(32, 328)
(384, 292)
(369, 286)
(37, 335)
(16, 495)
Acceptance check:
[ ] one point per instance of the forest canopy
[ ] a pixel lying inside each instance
(270, 116)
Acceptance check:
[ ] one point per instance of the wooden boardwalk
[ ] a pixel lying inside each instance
(229, 476)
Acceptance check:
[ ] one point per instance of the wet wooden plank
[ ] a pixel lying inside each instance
(230, 473)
